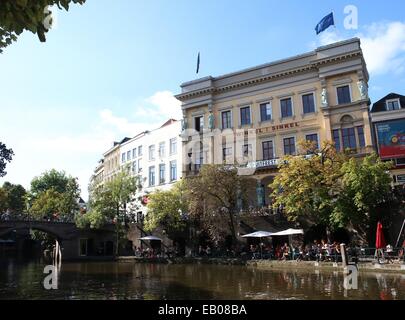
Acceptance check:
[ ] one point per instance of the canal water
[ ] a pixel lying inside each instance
(129, 280)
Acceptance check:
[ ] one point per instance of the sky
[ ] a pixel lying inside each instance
(109, 69)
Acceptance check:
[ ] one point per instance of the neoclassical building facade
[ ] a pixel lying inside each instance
(253, 117)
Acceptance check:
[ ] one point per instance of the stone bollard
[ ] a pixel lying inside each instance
(344, 254)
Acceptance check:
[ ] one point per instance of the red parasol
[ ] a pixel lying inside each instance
(380, 240)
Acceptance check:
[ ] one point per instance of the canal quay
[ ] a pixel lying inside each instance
(232, 151)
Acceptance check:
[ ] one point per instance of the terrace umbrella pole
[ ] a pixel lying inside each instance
(379, 242)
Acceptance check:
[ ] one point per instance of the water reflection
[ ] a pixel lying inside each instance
(127, 280)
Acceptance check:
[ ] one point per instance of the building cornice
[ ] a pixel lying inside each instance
(312, 66)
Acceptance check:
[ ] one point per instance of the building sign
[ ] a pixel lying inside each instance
(277, 127)
(391, 138)
(269, 129)
(263, 163)
(401, 178)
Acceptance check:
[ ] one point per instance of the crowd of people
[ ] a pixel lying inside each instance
(316, 251)
(155, 253)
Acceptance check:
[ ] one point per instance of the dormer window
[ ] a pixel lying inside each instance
(393, 104)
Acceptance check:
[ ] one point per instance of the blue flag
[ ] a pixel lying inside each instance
(198, 63)
(325, 23)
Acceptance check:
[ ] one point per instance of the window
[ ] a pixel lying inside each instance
(336, 138)
(152, 152)
(343, 95)
(313, 138)
(139, 151)
(247, 150)
(139, 165)
(161, 150)
(226, 152)
(349, 138)
(289, 146)
(128, 155)
(134, 167)
(199, 160)
(151, 176)
(134, 153)
(123, 157)
(308, 103)
(286, 108)
(173, 146)
(226, 119)
(268, 151)
(360, 135)
(265, 111)
(393, 104)
(199, 123)
(162, 173)
(400, 161)
(173, 170)
(245, 116)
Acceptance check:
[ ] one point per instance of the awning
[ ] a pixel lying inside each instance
(150, 238)
(258, 234)
(288, 232)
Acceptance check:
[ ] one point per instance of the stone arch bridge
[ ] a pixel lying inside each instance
(75, 243)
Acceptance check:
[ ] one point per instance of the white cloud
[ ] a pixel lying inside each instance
(167, 104)
(329, 36)
(383, 45)
(162, 105)
(147, 114)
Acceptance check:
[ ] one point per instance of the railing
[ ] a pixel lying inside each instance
(369, 254)
(21, 217)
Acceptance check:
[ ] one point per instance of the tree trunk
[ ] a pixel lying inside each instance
(232, 226)
(328, 238)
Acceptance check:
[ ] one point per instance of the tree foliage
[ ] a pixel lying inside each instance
(216, 194)
(330, 188)
(12, 197)
(54, 190)
(109, 203)
(365, 187)
(167, 209)
(48, 204)
(306, 184)
(6, 155)
(33, 15)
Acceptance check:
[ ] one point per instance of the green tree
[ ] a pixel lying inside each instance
(60, 190)
(109, 202)
(306, 185)
(330, 188)
(47, 204)
(365, 187)
(33, 15)
(3, 200)
(15, 195)
(167, 209)
(215, 195)
(6, 155)
(65, 187)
